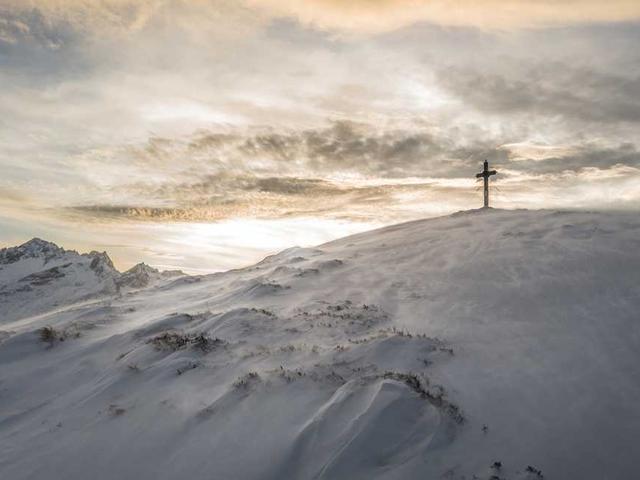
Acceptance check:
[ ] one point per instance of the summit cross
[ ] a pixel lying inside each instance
(485, 174)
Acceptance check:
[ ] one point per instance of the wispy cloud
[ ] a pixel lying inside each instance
(549, 89)
(162, 112)
(343, 170)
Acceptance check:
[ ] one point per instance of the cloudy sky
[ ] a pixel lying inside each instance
(204, 134)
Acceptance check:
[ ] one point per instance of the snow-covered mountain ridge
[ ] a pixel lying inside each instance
(486, 344)
(38, 275)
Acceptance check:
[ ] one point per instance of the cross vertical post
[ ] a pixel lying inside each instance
(485, 174)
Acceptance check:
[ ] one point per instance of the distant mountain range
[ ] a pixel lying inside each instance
(38, 274)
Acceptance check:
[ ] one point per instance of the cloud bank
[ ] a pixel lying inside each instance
(179, 111)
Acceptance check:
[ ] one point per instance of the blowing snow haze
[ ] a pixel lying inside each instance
(228, 246)
(430, 349)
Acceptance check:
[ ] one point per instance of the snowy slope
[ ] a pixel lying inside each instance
(430, 349)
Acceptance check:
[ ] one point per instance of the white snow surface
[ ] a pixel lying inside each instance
(429, 349)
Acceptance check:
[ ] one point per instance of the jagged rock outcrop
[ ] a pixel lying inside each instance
(100, 262)
(138, 276)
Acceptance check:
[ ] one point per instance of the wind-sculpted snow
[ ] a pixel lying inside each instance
(487, 344)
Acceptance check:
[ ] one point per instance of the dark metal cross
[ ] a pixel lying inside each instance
(485, 174)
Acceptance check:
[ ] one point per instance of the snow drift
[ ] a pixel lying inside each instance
(487, 343)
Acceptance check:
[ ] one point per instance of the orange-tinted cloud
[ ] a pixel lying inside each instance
(363, 16)
(386, 15)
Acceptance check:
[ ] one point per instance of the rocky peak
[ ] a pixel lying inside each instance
(142, 268)
(100, 262)
(34, 248)
(138, 276)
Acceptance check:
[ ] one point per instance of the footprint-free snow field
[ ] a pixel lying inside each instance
(486, 344)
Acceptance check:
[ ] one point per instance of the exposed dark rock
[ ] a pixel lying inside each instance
(46, 276)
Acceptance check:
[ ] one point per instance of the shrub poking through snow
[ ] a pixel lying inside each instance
(535, 471)
(353, 319)
(206, 344)
(115, 410)
(263, 311)
(48, 334)
(435, 394)
(246, 380)
(190, 366)
(174, 341)
(170, 341)
(288, 348)
(410, 379)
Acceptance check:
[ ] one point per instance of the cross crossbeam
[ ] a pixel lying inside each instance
(485, 174)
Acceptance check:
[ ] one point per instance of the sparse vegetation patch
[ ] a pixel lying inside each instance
(174, 341)
(246, 380)
(50, 335)
(434, 394)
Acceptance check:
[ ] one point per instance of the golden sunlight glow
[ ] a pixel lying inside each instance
(385, 15)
